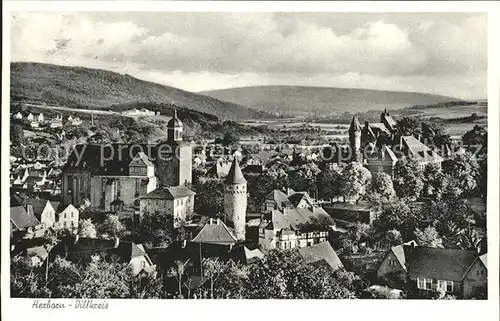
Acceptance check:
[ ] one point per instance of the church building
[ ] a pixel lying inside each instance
(113, 177)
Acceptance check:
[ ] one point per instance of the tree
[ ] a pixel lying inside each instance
(103, 280)
(354, 182)
(269, 180)
(17, 135)
(382, 185)
(408, 178)
(482, 180)
(283, 274)
(26, 279)
(177, 271)
(387, 239)
(305, 178)
(463, 167)
(433, 181)
(408, 126)
(428, 237)
(112, 227)
(329, 181)
(230, 139)
(209, 196)
(213, 269)
(156, 230)
(396, 216)
(476, 138)
(87, 229)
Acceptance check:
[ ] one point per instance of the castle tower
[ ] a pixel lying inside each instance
(174, 129)
(175, 156)
(355, 139)
(235, 200)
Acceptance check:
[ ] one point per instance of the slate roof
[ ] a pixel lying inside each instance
(23, 218)
(278, 221)
(141, 159)
(418, 150)
(77, 247)
(215, 233)
(38, 206)
(296, 197)
(321, 252)
(18, 199)
(105, 159)
(220, 168)
(169, 193)
(377, 127)
(279, 197)
(235, 176)
(437, 263)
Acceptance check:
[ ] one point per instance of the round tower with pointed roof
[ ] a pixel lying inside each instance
(235, 200)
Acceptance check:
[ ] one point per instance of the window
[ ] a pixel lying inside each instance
(420, 283)
(64, 224)
(449, 286)
(71, 214)
(428, 284)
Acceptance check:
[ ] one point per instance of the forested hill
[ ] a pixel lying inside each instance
(325, 101)
(81, 87)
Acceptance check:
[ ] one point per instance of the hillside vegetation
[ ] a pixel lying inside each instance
(99, 89)
(296, 100)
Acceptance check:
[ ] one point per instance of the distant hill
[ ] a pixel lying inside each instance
(81, 87)
(322, 100)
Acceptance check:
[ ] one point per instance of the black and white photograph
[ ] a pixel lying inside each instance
(247, 155)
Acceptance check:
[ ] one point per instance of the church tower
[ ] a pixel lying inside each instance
(174, 129)
(355, 139)
(235, 200)
(175, 156)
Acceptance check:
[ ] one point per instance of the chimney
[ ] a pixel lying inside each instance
(367, 124)
(210, 221)
(117, 242)
(218, 221)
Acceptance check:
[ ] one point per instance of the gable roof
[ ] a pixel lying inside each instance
(235, 176)
(279, 197)
(38, 206)
(438, 263)
(278, 221)
(215, 233)
(321, 252)
(125, 250)
(484, 259)
(23, 218)
(297, 197)
(169, 193)
(418, 150)
(141, 159)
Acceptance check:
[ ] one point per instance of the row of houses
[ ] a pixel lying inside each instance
(33, 217)
(140, 112)
(36, 178)
(36, 120)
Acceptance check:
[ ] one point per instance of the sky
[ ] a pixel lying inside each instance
(440, 53)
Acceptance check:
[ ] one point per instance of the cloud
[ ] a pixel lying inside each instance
(261, 46)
